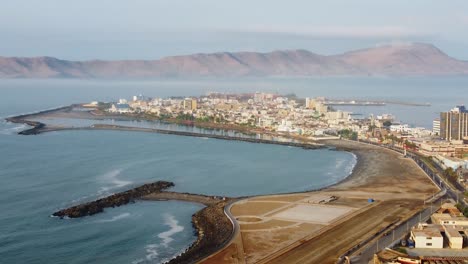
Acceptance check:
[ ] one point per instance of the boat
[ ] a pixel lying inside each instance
(408, 261)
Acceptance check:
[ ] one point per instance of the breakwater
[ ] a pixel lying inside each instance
(212, 226)
(114, 200)
(202, 135)
(37, 127)
(213, 229)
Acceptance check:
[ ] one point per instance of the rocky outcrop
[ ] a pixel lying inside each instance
(114, 200)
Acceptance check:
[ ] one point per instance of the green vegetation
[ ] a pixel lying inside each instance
(104, 106)
(462, 209)
(410, 145)
(205, 119)
(401, 250)
(185, 117)
(164, 116)
(394, 139)
(451, 173)
(387, 123)
(348, 134)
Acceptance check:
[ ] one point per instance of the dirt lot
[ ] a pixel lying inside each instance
(396, 183)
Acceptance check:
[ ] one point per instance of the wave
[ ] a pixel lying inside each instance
(111, 178)
(174, 229)
(115, 218)
(152, 250)
(13, 130)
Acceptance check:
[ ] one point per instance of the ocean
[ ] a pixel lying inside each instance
(43, 173)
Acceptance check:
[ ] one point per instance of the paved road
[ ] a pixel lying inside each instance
(386, 240)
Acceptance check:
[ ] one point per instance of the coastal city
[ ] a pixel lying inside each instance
(312, 118)
(436, 239)
(234, 132)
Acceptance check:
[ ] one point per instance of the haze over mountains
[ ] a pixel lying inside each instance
(391, 60)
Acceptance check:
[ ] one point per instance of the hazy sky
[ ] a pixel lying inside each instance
(150, 29)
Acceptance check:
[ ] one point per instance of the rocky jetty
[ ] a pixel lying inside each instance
(213, 229)
(114, 200)
(37, 127)
(204, 135)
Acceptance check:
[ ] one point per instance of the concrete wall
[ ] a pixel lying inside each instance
(424, 242)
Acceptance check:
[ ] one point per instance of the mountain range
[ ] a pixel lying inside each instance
(389, 60)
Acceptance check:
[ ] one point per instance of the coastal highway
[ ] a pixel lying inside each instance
(389, 237)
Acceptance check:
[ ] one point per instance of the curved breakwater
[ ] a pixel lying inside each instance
(212, 226)
(39, 127)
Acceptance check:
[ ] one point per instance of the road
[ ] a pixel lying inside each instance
(366, 254)
(384, 241)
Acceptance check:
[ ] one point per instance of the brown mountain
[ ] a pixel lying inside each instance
(392, 60)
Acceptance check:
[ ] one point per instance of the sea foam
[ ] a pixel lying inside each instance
(152, 250)
(111, 178)
(115, 218)
(174, 229)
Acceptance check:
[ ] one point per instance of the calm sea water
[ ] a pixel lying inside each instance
(41, 174)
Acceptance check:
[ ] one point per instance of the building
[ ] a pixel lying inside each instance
(310, 103)
(427, 236)
(436, 127)
(190, 104)
(455, 236)
(120, 108)
(321, 108)
(449, 215)
(454, 124)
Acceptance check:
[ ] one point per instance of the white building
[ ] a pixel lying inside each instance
(453, 234)
(436, 127)
(427, 236)
(120, 108)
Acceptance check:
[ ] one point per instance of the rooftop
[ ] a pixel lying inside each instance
(426, 231)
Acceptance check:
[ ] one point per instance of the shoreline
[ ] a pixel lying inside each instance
(195, 252)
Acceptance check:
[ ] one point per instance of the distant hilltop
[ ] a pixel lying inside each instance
(415, 59)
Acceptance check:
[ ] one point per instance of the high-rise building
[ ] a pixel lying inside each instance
(436, 127)
(454, 124)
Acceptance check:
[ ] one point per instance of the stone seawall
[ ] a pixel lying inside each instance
(193, 134)
(37, 127)
(114, 200)
(212, 226)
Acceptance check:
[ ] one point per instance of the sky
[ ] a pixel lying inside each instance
(151, 29)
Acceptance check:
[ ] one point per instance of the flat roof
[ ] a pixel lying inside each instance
(453, 231)
(426, 231)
